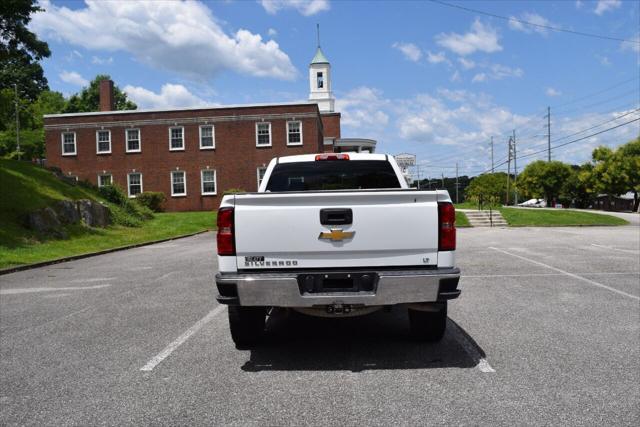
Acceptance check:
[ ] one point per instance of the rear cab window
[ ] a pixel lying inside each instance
(333, 175)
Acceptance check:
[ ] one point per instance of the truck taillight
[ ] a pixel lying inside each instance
(446, 226)
(332, 156)
(226, 238)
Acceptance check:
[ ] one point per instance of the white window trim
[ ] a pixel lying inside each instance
(183, 138)
(104, 174)
(258, 175)
(97, 142)
(215, 182)
(126, 140)
(129, 184)
(213, 136)
(270, 134)
(184, 174)
(294, 144)
(75, 144)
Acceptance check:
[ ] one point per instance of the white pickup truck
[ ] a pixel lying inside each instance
(336, 234)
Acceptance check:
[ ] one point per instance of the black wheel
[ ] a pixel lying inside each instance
(428, 326)
(247, 325)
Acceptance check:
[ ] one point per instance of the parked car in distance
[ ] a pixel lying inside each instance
(534, 203)
(336, 235)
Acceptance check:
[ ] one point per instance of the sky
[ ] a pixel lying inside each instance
(419, 77)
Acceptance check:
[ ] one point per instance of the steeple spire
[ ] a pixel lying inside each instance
(318, 34)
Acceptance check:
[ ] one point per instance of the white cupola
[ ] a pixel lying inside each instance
(320, 81)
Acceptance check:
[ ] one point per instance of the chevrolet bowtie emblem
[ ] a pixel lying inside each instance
(336, 235)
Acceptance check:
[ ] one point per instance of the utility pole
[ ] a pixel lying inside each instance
(457, 183)
(515, 166)
(548, 116)
(492, 167)
(443, 187)
(508, 168)
(17, 122)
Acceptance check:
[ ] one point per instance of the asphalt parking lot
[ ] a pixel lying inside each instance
(547, 331)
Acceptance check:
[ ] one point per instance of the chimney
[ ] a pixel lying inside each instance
(107, 103)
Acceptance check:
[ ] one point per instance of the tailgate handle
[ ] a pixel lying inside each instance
(336, 216)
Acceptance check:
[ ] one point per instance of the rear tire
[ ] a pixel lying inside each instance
(247, 325)
(428, 326)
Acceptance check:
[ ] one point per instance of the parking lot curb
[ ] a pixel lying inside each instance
(92, 254)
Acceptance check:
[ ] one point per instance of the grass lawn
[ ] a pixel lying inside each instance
(461, 220)
(84, 240)
(474, 206)
(553, 218)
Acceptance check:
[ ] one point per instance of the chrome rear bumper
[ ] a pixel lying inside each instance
(282, 290)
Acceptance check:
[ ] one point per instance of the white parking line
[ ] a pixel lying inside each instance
(617, 273)
(31, 290)
(94, 279)
(575, 276)
(471, 349)
(627, 251)
(157, 359)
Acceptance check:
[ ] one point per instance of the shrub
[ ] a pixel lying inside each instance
(152, 200)
(121, 217)
(133, 207)
(114, 194)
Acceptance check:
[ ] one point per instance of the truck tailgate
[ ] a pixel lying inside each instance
(284, 230)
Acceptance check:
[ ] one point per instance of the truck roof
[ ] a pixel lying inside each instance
(312, 157)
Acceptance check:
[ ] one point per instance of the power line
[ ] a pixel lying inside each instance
(589, 128)
(570, 142)
(597, 92)
(548, 27)
(604, 101)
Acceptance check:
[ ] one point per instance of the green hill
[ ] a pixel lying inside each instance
(25, 188)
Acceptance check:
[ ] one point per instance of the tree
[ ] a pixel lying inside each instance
(575, 190)
(31, 122)
(490, 188)
(542, 179)
(88, 99)
(615, 172)
(21, 50)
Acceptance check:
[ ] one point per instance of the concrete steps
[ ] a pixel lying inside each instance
(483, 219)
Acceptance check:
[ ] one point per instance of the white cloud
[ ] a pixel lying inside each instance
(481, 38)
(633, 46)
(271, 32)
(455, 77)
(456, 125)
(579, 4)
(304, 7)
(552, 92)
(499, 72)
(534, 18)
(364, 108)
(480, 77)
(73, 78)
(183, 37)
(436, 58)
(467, 64)
(604, 60)
(606, 5)
(101, 61)
(409, 50)
(496, 72)
(170, 96)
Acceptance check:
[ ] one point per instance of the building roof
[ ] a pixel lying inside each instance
(164, 110)
(319, 57)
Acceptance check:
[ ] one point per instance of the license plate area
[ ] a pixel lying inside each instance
(332, 283)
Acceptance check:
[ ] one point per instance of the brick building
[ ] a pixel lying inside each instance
(192, 155)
